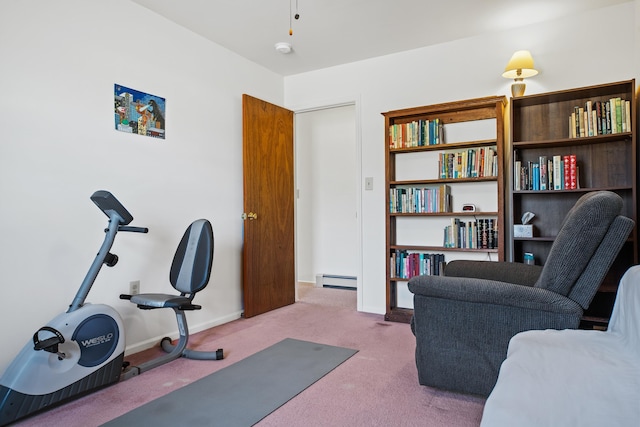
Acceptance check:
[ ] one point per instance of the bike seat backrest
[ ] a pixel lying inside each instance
(191, 266)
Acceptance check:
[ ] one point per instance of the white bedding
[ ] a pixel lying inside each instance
(573, 377)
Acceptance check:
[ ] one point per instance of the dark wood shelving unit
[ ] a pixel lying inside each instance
(540, 127)
(459, 112)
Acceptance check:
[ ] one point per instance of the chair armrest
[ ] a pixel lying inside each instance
(509, 272)
(483, 291)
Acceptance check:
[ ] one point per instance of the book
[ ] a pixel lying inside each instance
(544, 180)
(589, 114)
(613, 115)
(598, 113)
(557, 173)
(627, 108)
(618, 102)
(573, 172)
(535, 176)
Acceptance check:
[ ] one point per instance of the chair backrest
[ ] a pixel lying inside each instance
(191, 266)
(589, 281)
(583, 245)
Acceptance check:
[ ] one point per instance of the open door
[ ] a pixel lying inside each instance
(268, 169)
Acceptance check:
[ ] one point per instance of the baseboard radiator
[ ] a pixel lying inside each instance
(336, 281)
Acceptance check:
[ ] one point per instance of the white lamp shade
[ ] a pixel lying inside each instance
(520, 66)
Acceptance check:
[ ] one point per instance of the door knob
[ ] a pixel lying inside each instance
(251, 216)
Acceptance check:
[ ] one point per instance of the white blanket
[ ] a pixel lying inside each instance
(573, 377)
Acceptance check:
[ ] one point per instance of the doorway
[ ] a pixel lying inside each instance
(327, 194)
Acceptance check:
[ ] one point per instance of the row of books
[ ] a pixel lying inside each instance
(478, 234)
(418, 133)
(420, 200)
(473, 163)
(548, 173)
(405, 265)
(600, 118)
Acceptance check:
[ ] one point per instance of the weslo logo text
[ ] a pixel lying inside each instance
(97, 340)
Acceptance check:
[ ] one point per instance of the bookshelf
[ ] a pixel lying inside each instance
(442, 161)
(548, 126)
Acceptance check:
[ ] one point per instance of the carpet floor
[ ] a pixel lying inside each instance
(378, 386)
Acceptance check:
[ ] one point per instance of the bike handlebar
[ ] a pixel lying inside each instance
(133, 229)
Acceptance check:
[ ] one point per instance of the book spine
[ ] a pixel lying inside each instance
(614, 119)
(587, 108)
(544, 180)
(627, 106)
(573, 172)
(557, 173)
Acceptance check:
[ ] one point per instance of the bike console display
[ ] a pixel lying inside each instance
(108, 203)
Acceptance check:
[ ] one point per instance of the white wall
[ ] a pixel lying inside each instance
(60, 61)
(571, 52)
(326, 222)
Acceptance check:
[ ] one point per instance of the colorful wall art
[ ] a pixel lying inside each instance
(139, 112)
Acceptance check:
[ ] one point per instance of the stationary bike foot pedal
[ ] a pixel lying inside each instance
(50, 344)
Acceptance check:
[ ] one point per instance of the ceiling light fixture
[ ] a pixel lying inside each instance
(297, 16)
(283, 47)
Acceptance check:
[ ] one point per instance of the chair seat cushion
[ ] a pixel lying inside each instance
(160, 300)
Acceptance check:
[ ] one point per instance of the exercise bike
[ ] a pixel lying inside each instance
(82, 349)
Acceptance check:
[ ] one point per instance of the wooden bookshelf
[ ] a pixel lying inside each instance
(540, 126)
(471, 131)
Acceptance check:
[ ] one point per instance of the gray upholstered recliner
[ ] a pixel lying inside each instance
(463, 321)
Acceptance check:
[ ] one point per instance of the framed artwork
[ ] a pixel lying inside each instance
(138, 112)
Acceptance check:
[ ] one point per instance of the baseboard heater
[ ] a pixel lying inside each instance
(336, 281)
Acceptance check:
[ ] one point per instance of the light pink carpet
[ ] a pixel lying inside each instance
(376, 387)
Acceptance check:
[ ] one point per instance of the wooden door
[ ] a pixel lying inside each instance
(268, 166)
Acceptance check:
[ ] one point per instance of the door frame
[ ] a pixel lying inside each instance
(349, 101)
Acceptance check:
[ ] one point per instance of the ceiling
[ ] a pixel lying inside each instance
(334, 32)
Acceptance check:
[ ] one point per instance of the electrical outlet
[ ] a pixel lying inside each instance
(134, 287)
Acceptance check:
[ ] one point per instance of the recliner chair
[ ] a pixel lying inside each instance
(463, 321)
(190, 273)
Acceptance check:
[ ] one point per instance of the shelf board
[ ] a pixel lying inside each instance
(444, 214)
(535, 239)
(564, 142)
(402, 315)
(445, 146)
(438, 249)
(568, 95)
(594, 322)
(575, 190)
(441, 181)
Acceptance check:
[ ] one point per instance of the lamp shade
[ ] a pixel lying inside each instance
(520, 66)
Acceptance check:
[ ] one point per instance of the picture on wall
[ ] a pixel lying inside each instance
(139, 112)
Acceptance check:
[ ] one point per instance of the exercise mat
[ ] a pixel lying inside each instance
(242, 394)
